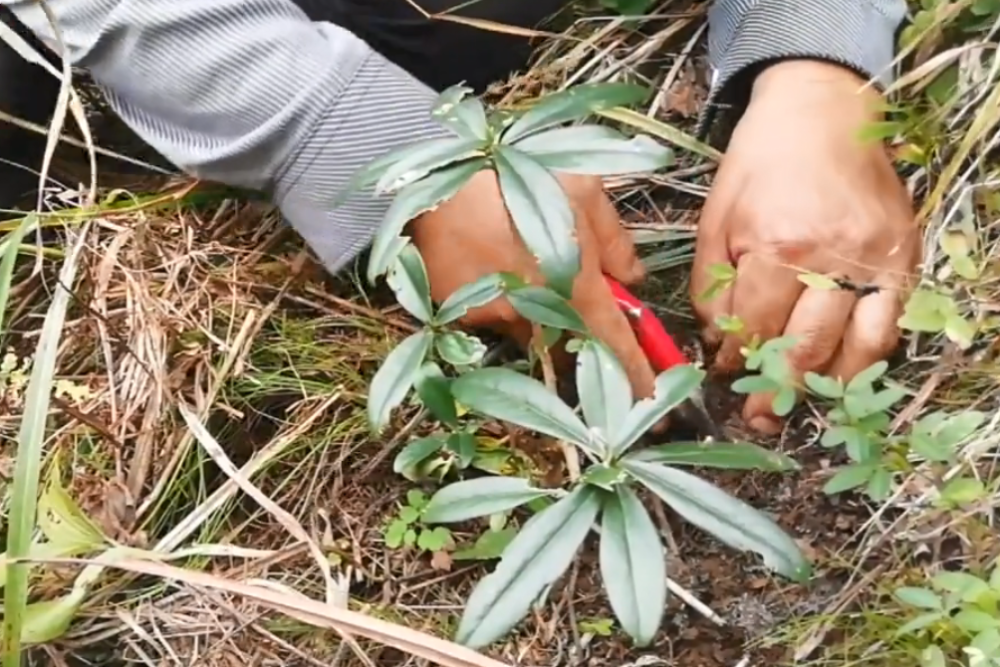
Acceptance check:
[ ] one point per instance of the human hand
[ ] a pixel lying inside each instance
(798, 190)
(471, 236)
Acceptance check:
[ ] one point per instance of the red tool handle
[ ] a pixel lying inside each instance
(654, 340)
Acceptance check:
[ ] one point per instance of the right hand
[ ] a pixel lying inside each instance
(471, 236)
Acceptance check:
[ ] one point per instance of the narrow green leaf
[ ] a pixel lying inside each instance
(920, 622)
(572, 104)
(539, 555)
(28, 456)
(849, 477)
(12, 244)
(595, 150)
(968, 586)
(410, 457)
(880, 484)
(459, 348)
(473, 498)
(507, 395)
(470, 295)
(754, 384)
(673, 386)
(418, 164)
(409, 203)
(604, 388)
(729, 519)
(724, 455)
(368, 175)
(657, 128)
(824, 386)
(396, 376)
(784, 401)
(546, 307)
(463, 445)
(408, 279)
(434, 391)
(463, 115)
(633, 566)
(540, 210)
(921, 598)
(862, 382)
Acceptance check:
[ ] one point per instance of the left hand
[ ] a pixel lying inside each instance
(798, 190)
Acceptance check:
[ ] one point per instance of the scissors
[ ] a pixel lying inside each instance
(663, 354)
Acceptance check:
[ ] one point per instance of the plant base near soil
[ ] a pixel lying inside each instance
(212, 303)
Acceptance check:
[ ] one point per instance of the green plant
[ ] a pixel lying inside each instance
(407, 530)
(860, 421)
(774, 374)
(524, 150)
(957, 610)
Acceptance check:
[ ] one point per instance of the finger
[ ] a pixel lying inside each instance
(711, 248)
(615, 246)
(599, 310)
(763, 297)
(872, 333)
(818, 322)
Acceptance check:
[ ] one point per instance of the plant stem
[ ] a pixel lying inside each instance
(569, 451)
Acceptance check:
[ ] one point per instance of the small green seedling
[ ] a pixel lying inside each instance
(406, 529)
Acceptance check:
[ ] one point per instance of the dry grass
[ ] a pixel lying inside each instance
(192, 308)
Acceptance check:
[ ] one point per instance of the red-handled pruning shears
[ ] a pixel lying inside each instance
(662, 352)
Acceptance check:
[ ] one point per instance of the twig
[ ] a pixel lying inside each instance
(549, 375)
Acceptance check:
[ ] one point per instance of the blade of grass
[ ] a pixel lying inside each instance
(11, 245)
(30, 441)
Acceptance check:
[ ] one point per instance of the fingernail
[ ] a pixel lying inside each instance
(766, 425)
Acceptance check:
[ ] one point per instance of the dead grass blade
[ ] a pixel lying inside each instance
(439, 651)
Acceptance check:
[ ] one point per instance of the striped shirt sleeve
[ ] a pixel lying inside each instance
(745, 34)
(253, 94)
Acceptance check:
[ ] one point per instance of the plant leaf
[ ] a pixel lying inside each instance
(538, 556)
(921, 598)
(673, 386)
(395, 377)
(463, 115)
(632, 565)
(595, 150)
(541, 213)
(11, 247)
(824, 386)
(473, 498)
(408, 279)
(463, 444)
(470, 295)
(434, 391)
(729, 519)
(724, 455)
(409, 203)
(459, 348)
(573, 103)
(546, 307)
(420, 163)
(604, 388)
(849, 477)
(416, 452)
(507, 395)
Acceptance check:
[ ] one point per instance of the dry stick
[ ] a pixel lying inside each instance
(569, 451)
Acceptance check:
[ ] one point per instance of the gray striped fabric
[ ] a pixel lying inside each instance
(253, 94)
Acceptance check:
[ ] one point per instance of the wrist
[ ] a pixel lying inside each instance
(816, 82)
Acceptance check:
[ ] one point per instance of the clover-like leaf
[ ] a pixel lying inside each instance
(463, 115)
(604, 388)
(459, 348)
(408, 279)
(409, 203)
(572, 104)
(396, 376)
(672, 387)
(507, 395)
(470, 295)
(581, 150)
(539, 555)
(473, 498)
(632, 565)
(542, 215)
(419, 164)
(729, 519)
(724, 455)
(546, 307)
(824, 386)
